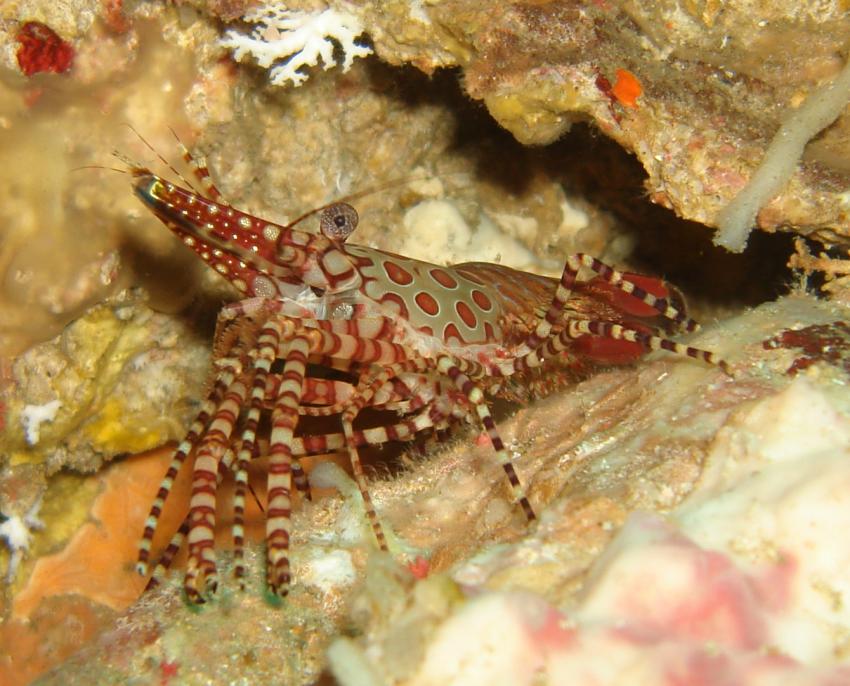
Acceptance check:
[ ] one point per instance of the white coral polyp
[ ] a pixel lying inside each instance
(298, 39)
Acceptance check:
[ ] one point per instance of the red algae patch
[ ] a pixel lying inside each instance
(42, 50)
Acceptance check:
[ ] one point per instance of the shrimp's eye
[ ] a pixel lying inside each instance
(338, 221)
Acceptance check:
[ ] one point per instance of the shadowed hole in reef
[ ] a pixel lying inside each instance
(594, 167)
(680, 250)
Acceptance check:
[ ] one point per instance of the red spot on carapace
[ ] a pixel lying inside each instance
(626, 88)
(466, 314)
(443, 278)
(482, 300)
(397, 274)
(451, 334)
(489, 333)
(396, 302)
(427, 303)
(42, 50)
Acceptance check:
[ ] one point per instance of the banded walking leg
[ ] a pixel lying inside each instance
(163, 564)
(602, 329)
(450, 367)
(268, 343)
(578, 329)
(214, 444)
(213, 447)
(299, 478)
(364, 393)
(621, 281)
(294, 350)
(224, 378)
(404, 430)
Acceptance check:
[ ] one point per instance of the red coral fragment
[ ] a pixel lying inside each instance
(41, 49)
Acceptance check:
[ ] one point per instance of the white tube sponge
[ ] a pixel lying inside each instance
(820, 109)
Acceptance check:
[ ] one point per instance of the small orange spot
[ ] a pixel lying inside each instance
(626, 88)
(482, 439)
(419, 567)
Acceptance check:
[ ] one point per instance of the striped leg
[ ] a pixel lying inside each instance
(225, 378)
(267, 347)
(321, 393)
(295, 350)
(450, 367)
(179, 457)
(581, 327)
(360, 479)
(373, 389)
(323, 397)
(299, 478)
(365, 392)
(573, 265)
(163, 564)
(201, 567)
(402, 431)
(577, 328)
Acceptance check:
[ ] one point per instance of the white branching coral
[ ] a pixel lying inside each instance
(292, 40)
